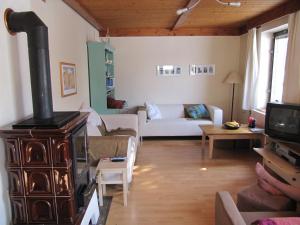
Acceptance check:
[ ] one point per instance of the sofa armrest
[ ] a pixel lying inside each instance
(216, 114)
(226, 212)
(108, 146)
(115, 121)
(142, 118)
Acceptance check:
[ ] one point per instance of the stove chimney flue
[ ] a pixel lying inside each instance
(38, 50)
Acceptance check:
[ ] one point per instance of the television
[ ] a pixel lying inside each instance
(282, 121)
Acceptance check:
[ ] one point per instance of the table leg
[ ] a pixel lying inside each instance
(263, 140)
(211, 146)
(104, 189)
(100, 194)
(203, 141)
(125, 187)
(250, 144)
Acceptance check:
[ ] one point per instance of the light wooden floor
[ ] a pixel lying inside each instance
(174, 185)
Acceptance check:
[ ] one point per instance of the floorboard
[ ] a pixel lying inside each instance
(175, 184)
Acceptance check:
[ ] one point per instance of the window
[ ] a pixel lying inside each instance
(278, 66)
(272, 56)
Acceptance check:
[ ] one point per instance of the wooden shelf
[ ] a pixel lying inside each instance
(282, 163)
(101, 76)
(280, 166)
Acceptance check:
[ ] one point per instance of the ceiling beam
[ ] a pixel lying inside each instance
(181, 18)
(83, 13)
(274, 13)
(203, 31)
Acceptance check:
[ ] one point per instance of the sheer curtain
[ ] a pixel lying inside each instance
(251, 73)
(291, 85)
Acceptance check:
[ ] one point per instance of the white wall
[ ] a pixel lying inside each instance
(136, 59)
(68, 34)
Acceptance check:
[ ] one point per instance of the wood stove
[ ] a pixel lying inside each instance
(46, 155)
(48, 177)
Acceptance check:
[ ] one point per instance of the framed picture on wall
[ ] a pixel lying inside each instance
(68, 79)
(193, 70)
(169, 70)
(202, 69)
(211, 69)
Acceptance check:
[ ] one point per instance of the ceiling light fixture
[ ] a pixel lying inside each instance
(186, 9)
(233, 4)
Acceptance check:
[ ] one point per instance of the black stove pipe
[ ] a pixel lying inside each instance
(38, 50)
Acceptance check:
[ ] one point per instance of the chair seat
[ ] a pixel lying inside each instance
(253, 199)
(121, 131)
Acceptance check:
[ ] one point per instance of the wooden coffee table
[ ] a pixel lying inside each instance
(218, 133)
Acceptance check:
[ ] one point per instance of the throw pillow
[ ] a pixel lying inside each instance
(94, 118)
(92, 130)
(198, 111)
(95, 125)
(115, 104)
(153, 111)
(278, 221)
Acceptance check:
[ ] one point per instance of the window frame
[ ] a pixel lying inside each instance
(276, 35)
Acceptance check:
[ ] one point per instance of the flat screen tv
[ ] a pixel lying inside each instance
(282, 121)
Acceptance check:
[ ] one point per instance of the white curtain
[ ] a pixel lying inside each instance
(291, 86)
(251, 73)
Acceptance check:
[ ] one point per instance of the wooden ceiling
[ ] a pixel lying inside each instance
(158, 17)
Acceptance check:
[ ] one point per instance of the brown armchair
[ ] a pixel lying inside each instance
(226, 212)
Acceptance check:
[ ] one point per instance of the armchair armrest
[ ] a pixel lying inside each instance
(216, 114)
(108, 146)
(115, 121)
(226, 212)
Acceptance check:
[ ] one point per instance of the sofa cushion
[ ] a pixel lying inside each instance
(253, 198)
(197, 111)
(171, 111)
(175, 127)
(122, 131)
(153, 111)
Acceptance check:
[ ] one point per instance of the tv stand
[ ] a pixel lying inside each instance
(281, 166)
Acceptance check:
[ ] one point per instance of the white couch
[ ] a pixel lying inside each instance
(174, 122)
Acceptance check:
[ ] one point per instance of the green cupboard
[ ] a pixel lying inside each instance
(101, 76)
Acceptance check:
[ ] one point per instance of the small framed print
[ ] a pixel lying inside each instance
(199, 70)
(205, 69)
(196, 70)
(211, 70)
(193, 70)
(68, 79)
(169, 70)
